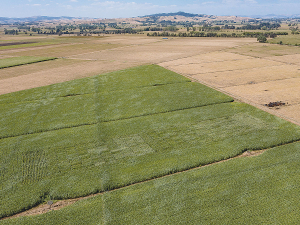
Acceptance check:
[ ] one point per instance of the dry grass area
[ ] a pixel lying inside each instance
(289, 59)
(249, 76)
(231, 65)
(265, 50)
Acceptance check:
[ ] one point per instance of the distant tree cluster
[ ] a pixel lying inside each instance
(261, 26)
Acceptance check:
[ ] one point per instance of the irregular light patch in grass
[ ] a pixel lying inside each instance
(18, 61)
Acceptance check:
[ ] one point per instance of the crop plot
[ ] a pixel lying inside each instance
(152, 100)
(16, 117)
(18, 61)
(94, 135)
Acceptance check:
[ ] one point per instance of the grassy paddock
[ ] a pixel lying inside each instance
(18, 61)
(286, 40)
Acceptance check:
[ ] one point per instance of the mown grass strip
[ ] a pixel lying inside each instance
(255, 190)
(18, 61)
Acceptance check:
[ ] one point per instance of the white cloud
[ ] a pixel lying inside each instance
(73, 1)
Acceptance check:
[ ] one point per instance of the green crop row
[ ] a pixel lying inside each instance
(18, 61)
(255, 190)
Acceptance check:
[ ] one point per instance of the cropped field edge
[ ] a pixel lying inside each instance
(44, 208)
(107, 121)
(82, 94)
(21, 64)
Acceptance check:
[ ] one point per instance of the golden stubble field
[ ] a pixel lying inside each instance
(249, 71)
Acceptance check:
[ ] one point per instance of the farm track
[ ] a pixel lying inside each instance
(57, 205)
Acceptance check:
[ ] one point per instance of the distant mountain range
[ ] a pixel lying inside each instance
(175, 14)
(7, 20)
(34, 19)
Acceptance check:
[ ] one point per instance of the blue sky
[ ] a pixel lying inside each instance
(132, 8)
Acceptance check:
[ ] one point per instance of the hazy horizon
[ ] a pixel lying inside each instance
(125, 9)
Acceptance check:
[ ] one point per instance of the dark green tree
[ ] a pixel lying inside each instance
(262, 39)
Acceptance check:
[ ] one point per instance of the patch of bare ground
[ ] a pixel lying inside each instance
(44, 208)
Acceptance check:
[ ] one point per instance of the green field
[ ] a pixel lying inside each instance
(109, 131)
(18, 61)
(258, 190)
(286, 40)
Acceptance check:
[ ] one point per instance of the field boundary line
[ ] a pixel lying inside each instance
(41, 209)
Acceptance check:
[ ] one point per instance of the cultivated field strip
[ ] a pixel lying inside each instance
(168, 127)
(18, 61)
